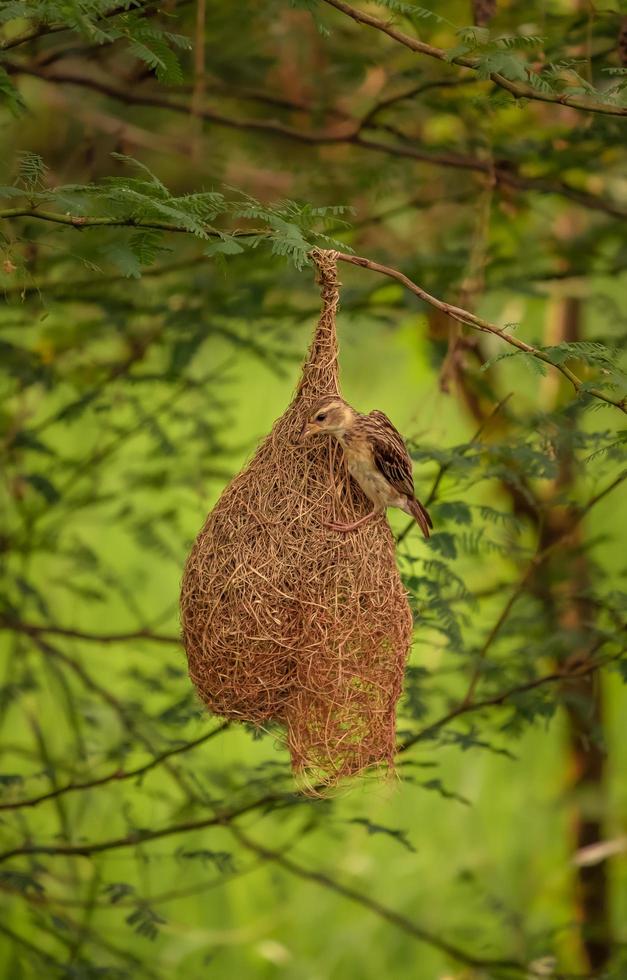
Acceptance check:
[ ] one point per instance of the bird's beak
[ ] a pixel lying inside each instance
(304, 432)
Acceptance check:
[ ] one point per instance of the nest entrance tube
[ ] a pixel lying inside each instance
(286, 620)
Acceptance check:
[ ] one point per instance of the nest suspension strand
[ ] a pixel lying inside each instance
(286, 620)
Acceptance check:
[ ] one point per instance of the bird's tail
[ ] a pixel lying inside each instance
(421, 516)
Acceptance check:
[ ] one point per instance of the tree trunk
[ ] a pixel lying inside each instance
(564, 582)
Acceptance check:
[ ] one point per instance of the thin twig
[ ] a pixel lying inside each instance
(478, 323)
(382, 911)
(32, 629)
(102, 221)
(61, 289)
(535, 563)
(224, 817)
(126, 720)
(347, 134)
(118, 776)
(44, 29)
(87, 849)
(444, 467)
(502, 697)
(519, 90)
(367, 121)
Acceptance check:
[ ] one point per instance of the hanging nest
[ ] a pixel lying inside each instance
(285, 620)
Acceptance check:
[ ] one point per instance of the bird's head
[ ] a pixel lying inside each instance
(330, 416)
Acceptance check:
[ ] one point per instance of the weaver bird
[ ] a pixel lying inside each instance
(376, 456)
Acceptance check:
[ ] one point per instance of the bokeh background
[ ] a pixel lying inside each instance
(166, 167)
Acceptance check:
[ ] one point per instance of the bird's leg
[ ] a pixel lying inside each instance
(351, 527)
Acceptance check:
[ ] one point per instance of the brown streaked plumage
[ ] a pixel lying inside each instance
(376, 455)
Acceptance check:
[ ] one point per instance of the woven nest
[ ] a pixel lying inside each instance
(285, 620)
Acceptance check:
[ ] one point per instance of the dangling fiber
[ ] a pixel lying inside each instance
(286, 620)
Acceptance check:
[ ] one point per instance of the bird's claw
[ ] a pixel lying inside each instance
(334, 526)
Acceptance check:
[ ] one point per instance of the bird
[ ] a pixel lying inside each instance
(376, 456)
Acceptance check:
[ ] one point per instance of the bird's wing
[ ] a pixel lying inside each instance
(390, 453)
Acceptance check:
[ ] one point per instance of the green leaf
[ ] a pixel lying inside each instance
(133, 162)
(533, 363)
(11, 191)
(501, 63)
(437, 786)
(413, 11)
(453, 510)
(118, 890)
(474, 36)
(43, 486)
(155, 53)
(443, 544)
(124, 258)
(31, 171)
(459, 51)
(145, 921)
(28, 440)
(221, 860)
(10, 95)
(22, 882)
(226, 245)
(184, 351)
(400, 836)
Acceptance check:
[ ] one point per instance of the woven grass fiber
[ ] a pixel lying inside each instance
(286, 620)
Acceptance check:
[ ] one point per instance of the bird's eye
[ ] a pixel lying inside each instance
(321, 416)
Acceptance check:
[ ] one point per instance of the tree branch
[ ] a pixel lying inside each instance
(32, 629)
(382, 911)
(87, 849)
(118, 776)
(64, 290)
(411, 93)
(496, 700)
(477, 323)
(125, 719)
(536, 562)
(43, 29)
(98, 221)
(224, 817)
(348, 133)
(519, 90)
(444, 467)
(455, 312)
(466, 706)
